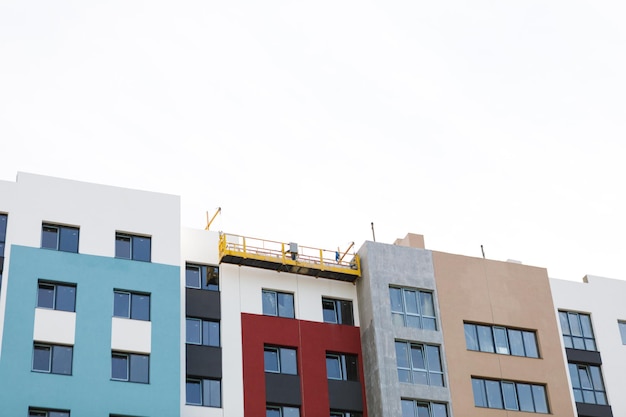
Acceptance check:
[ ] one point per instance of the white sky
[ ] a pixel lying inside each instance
(499, 123)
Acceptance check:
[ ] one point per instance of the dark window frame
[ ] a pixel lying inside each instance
(54, 355)
(577, 330)
(419, 318)
(131, 295)
(348, 366)
(202, 332)
(211, 273)
(129, 367)
(593, 390)
(281, 410)
(434, 377)
(434, 408)
(46, 412)
(277, 295)
(201, 382)
(489, 393)
(132, 252)
(55, 297)
(61, 236)
(342, 311)
(499, 334)
(281, 356)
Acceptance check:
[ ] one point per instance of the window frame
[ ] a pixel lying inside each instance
(473, 338)
(621, 325)
(583, 340)
(345, 373)
(409, 318)
(45, 412)
(53, 357)
(61, 236)
(201, 383)
(281, 410)
(340, 306)
(277, 303)
(335, 413)
(132, 255)
(412, 369)
(203, 270)
(129, 367)
(202, 332)
(420, 403)
(584, 392)
(280, 359)
(131, 295)
(55, 286)
(484, 398)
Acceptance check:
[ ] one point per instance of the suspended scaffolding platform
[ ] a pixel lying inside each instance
(288, 257)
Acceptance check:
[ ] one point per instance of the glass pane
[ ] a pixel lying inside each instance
(434, 360)
(539, 395)
(192, 276)
(211, 333)
(567, 341)
(402, 355)
(501, 342)
(407, 409)
(33, 413)
(579, 343)
(269, 303)
(193, 331)
(525, 397)
(352, 368)
(471, 338)
(285, 305)
(66, 298)
(485, 338)
(494, 396)
(271, 360)
(122, 247)
(139, 368)
(121, 304)
(516, 342)
(410, 302)
(440, 410)
(45, 296)
(41, 358)
(423, 410)
(596, 378)
(140, 307)
(141, 248)
(480, 396)
(212, 393)
(413, 321)
(420, 377)
(578, 395)
(622, 331)
(589, 397)
(564, 323)
(417, 357)
(530, 344)
(590, 344)
(119, 367)
(436, 379)
(429, 323)
(585, 322)
(600, 398)
(49, 237)
(211, 278)
(291, 412)
(404, 375)
(346, 316)
(62, 360)
(510, 397)
(398, 319)
(3, 227)
(288, 364)
(573, 374)
(193, 393)
(333, 367)
(574, 324)
(58, 414)
(68, 241)
(395, 295)
(426, 304)
(272, 412)
(328, 309)
(585, 379)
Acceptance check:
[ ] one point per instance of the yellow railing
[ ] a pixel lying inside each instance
(287, 253)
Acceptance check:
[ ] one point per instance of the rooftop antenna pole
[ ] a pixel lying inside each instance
(373, 234)
(482, 250)
(208, 222)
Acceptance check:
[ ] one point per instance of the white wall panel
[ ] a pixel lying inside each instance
(54, 326)
(130, 335)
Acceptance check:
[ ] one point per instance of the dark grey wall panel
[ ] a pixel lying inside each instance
(282, 389)
(583, 356)
(202, 304)
(345, 395)
(204, 361)
(593, 410)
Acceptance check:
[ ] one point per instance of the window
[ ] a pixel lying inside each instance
(337, 311)
(344, 414)
(587, 384)
(278, 304)
(622, 330)
(130, 367)
(510, 395)
(52, 359)
(131, 305)
(56, 296)
(3, 232)
(203, 332)
(206, 392)
(281, 411)
(577, 331)
(419, 364)
(61, 238)
(203, 277)
(413, 408)
(32, 412)
(412, 308)
(132, 247)
(502, 340)
(342, 367)
(280, 360)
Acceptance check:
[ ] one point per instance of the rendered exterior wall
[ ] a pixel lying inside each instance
(506, 294)
(384, 265)
(603, 300)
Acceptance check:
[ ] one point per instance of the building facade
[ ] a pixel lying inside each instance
(109, 308)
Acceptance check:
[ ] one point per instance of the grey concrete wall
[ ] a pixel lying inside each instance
(384, 265)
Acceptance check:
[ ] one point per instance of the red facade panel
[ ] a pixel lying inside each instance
(312, 340)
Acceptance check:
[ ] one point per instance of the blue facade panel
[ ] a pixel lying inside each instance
(89, 391)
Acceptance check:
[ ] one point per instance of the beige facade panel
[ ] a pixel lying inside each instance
(506, 294)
